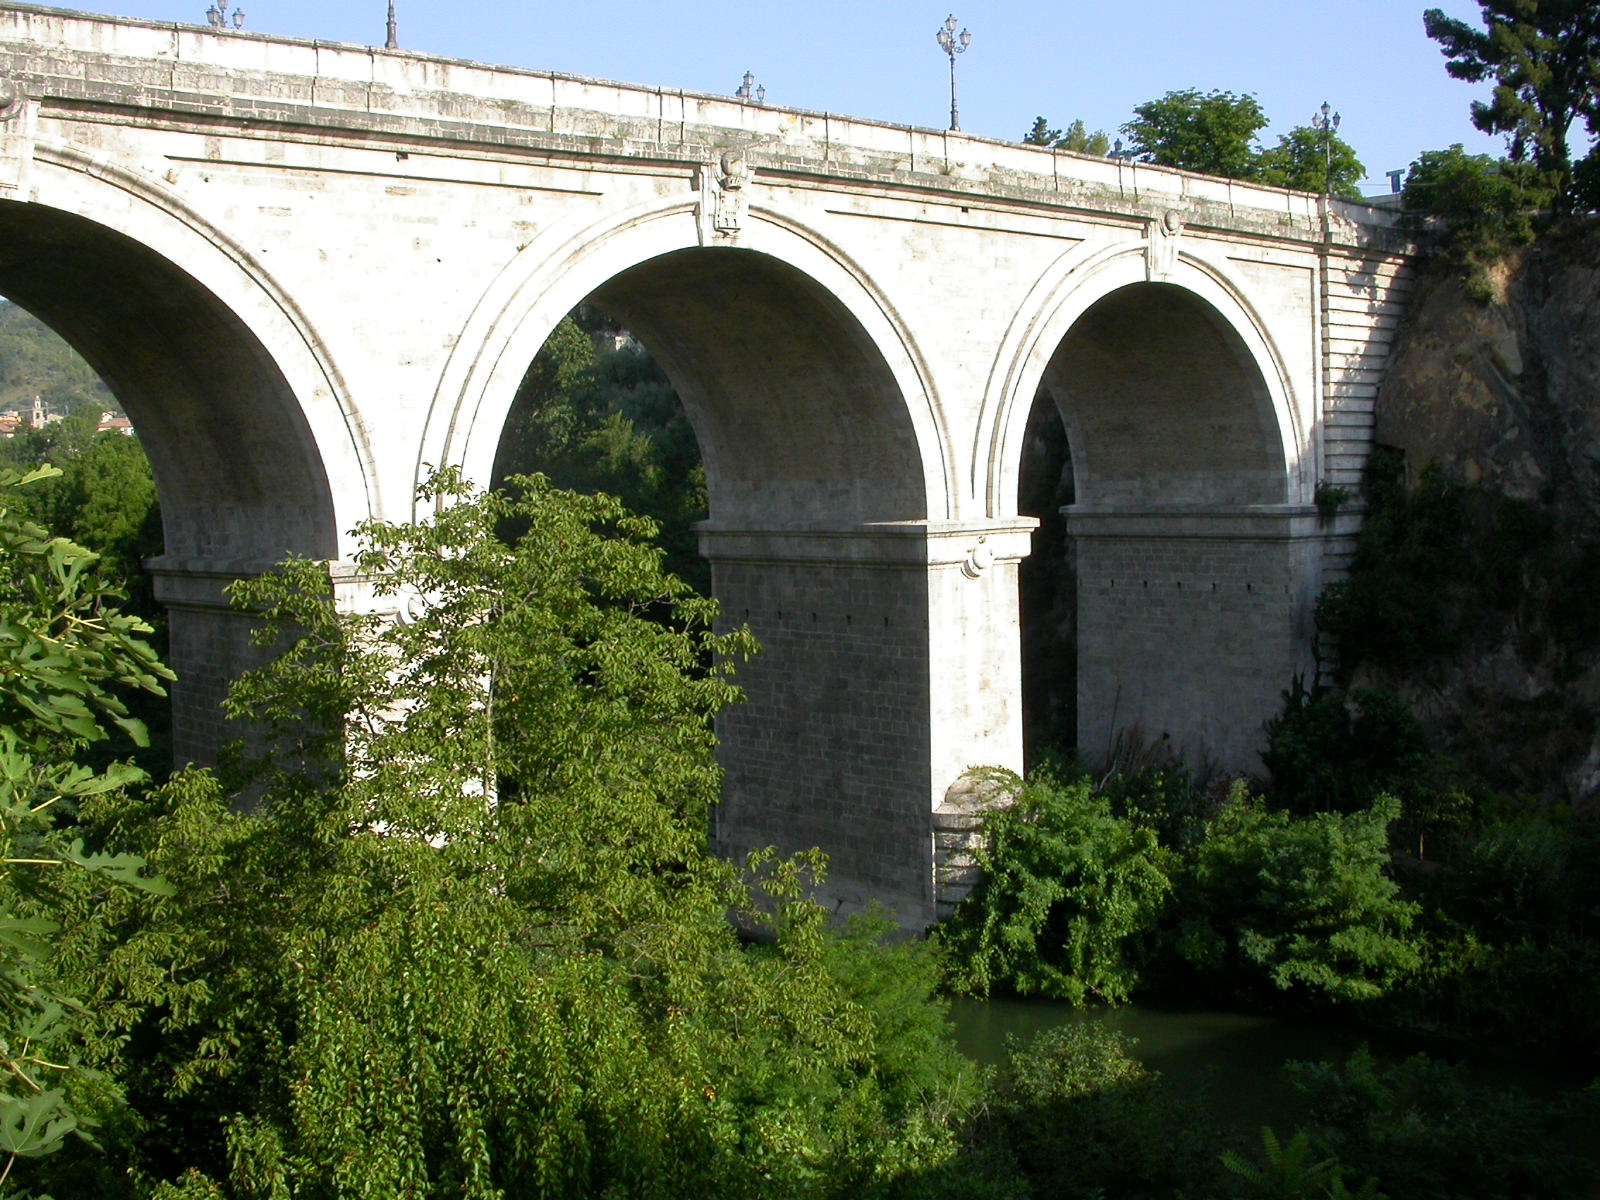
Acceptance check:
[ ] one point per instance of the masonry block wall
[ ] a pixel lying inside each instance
(208, 646)
(1190, 630)
(830, 747)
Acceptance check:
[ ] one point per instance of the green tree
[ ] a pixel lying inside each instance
(1307, 160)
(470, 940)
(1077, 138)
(610, 421)
(1069, 891)
(1041, 134)
(1296, 905)
(66, 655)
(1544, 58)
(1483, 201)
(1213, 133)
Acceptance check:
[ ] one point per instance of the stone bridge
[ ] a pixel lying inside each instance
(308, 270)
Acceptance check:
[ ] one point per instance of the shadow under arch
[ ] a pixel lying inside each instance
(1163, 404)
(799, 419)
(1194, 571)
(237, 468)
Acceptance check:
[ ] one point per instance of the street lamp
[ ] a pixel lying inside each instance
(953, 43)
(218, 16)
(750, 88)
(1326, 125)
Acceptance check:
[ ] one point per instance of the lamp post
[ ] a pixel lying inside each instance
(217, 16)
(1326, 125)
(750, 88)
(953, 43)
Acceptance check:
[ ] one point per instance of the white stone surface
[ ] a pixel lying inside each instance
(310, 271)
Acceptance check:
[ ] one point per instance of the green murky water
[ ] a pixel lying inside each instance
(1234, 1061)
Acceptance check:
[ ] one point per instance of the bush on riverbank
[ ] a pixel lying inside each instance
(1080, 900)
(1070, 893)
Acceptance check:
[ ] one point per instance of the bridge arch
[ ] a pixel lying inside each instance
(253, 455)
(812, 363)
(1194, 553)
(831, 484)
(1113, 287)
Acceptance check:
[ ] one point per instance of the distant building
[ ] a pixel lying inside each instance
(112, 423)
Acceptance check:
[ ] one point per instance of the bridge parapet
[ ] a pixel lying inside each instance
(193, 72)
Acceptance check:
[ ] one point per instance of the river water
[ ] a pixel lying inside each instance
(1233, 1062)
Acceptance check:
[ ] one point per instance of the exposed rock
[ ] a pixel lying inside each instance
(1505, 398)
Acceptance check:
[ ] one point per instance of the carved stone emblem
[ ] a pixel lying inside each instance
(1161, 245)
(12, 100)
(731, 180)
(979, 559)
(18, 119)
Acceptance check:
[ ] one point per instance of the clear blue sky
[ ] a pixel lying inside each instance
(878, 58)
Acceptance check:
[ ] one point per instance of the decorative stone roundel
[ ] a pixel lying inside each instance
(12, 99)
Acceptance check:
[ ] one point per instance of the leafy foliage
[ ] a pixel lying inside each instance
(102, 496)
(1290, 1172)
(1311, 160)
(1077, 138)
(1413, 547)
(1296, 905)
(1076, 1115)
(1426, 1132)
(1213, 133)
(66, 653)
(1544, 58)
(1511, 940)
(1483, 208)
(1068, 893)
(1336, 752)
(470, 941)
(609, 421)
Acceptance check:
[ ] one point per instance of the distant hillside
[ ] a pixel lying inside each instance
(34, 361)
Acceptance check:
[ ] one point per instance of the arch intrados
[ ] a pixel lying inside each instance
(1070, 288)
(1163, 404)
(218, 420)
(572, 262)
(794, 406)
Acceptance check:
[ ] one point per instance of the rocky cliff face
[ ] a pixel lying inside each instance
(1504, 400)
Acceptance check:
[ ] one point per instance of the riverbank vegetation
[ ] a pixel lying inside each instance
(346, 966)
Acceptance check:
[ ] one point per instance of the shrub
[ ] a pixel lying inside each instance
(1069, 893)
(1299, 905)
(1076, 1115)
(1331, 752)
(386, 979)
(1427, 1132)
